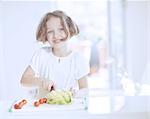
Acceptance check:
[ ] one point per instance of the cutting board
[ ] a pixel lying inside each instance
(77, 104)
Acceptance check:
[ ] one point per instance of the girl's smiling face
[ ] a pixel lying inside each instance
(56, 34)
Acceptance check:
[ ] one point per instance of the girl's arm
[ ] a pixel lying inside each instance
(28, 79)
(83, 82)
(83, 88)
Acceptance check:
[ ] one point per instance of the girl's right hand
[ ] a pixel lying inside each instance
(48, 85)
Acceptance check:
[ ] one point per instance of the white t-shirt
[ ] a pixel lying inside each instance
(64, 71)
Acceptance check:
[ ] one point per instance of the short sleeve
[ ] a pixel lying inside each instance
(34, 62)
(82, 66)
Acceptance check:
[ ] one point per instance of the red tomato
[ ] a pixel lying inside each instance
(45, 100)
(20, 104)
(41, 100)
(17, 106)
(36, 104)
(24, 101)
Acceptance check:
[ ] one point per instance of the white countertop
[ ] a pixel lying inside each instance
(101, 107)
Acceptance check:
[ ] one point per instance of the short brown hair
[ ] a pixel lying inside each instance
(69, 25)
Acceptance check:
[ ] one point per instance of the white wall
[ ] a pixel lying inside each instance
(1, 58)
(148, 45)
(137, 38)
(20, 20)
(148, 28)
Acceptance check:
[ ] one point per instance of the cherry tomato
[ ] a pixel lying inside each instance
(41, 100)
(36, 104)
(21, 104)
(24, 101)
(17, 106)
(45, 100)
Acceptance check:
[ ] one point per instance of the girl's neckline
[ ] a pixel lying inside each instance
(61, 57)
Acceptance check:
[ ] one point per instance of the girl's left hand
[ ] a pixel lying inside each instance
(84, 92)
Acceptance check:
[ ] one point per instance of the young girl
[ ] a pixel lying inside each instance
(57, 66)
